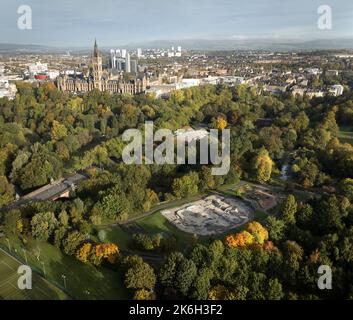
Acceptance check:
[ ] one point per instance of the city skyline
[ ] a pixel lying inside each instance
(121, 23)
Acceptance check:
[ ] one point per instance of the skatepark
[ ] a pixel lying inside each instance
(212, 215)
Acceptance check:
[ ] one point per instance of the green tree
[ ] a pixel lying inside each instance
(186, 186)
(7, 191)
(289, 209)
(168, 270)
(73, 240)
(185, 276)
(58, 131)
(274, 291)
(263, 166)
(140, 276)
(11, 219)
(43, 224)
(201, 284)
(305, 215)
(275, 227)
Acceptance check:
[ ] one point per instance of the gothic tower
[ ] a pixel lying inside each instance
(97, 68)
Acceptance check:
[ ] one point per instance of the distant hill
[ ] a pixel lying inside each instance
(25, 48)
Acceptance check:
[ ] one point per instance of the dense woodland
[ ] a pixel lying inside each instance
(45, 134)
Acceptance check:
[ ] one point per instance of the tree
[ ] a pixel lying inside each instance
(293, 254)
(113, 203)
(11, 221)
(218, 292)
(220, 122)
(83, 254)
(346, 187)
(72, 242)
(207, 180)
(185, 276)
(238, 293)
(145, 241)
(168, 270)
(305, 215)
(270, 138)
(63, 218)
(107, 251)
(186, 186)
(144, 295)
(59, 235)
(274, 290)
(289, 209)
(241, 239)
(43, 224)
(256, 283)
(42, 166)
(215, 252)
(58, 131)
(263, 166)
(202, 284)
(7, 191)
(275, 227)
(259, 233)
(329, 214)
(301, 122)
(140, 276)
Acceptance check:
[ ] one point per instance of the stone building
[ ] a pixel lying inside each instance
(102, 80)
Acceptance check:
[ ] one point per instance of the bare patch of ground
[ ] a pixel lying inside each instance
(262, 197)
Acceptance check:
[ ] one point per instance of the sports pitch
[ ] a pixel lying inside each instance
(41, 289)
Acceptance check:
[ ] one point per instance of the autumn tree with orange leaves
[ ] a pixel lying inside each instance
(241, 239)
(107, 251)
(83, 254)
(89, 252)
(255, 233)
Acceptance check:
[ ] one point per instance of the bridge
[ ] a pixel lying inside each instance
(58, 189)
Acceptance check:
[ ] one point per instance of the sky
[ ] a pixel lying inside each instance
(116, 22)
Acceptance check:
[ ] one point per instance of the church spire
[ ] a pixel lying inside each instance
(95, 50)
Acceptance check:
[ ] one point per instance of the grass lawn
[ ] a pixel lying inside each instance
(157, 223)
(41, 289)
(260, 215)
(116, 234)
(83, 281)
(346, 134)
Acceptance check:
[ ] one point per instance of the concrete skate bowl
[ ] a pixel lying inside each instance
(212, 215)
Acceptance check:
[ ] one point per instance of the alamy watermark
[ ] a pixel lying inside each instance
(25, 279)
(164, 152)
(325, 19)
(24, 21)
(325, 280)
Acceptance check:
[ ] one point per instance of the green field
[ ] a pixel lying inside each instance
(346, 134)
(157, 223)
(41, 289)
(83, 281)
(116, 234)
